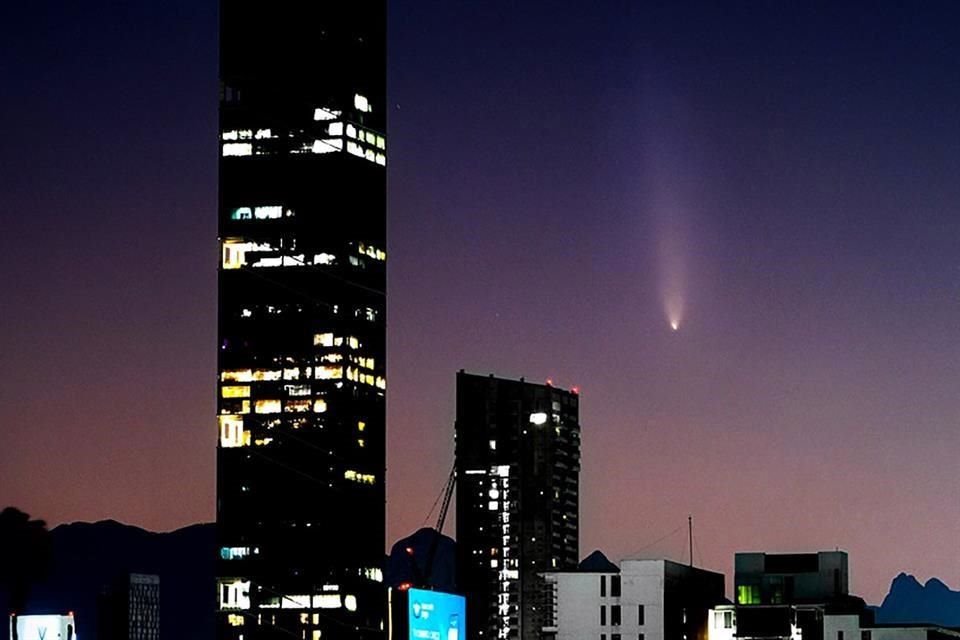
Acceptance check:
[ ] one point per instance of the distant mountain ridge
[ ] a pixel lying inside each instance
(88, 556)
(910, 602)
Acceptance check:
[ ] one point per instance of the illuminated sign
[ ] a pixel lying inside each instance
(43, 627)
(433, 615)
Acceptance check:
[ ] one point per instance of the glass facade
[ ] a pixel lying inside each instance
(301, 384)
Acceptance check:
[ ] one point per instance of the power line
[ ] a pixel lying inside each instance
(657, 541)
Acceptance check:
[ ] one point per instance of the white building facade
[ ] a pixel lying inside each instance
(47, 627)
(646, 600)
(722, 625)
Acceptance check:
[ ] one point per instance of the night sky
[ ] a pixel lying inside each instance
(565, 178)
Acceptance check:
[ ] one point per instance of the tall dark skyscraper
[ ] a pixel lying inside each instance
(518, 471)
(302, 344)
(130, 608)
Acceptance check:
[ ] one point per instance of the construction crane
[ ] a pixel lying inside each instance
(444, 506)
(423, 577)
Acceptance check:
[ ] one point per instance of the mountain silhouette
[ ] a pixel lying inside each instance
(87, 557)
(404, 566)
(596, 562)
(910, 602)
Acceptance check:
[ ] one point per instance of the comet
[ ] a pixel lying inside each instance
(672, 277)
(668, 181)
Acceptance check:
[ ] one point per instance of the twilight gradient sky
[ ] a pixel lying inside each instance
(561, 173)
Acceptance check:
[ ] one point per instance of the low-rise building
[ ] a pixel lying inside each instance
(790, 578)
(49, 627)
(645, 600)
(813, 622)
(803, 596)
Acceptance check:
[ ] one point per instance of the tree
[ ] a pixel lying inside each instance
(25, 553)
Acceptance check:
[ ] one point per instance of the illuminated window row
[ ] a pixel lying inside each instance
(366, 363)
(365, 378)
(232, 433)
(324, 145)
(250, 375)
(372, 574)
(371, 138)
(368, 154)
(234, 593)
(360, 103)
(305, 601)
(297, 389)
(247, 134)
(281, 261)
(372, 252)
(234, 254)
(362, 478)
(267, 212)
(239, 142)
(354, 132)
(290, 406)
(318, 146)
(235, 553)
(262, 375)
(377, 143)
(233, 148)
(232, 406)
(241, 149)
(330, 340)
(237, 149)
(324, 372)
(322, 113)
(367, 313)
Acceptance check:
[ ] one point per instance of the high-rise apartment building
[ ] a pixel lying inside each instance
(301, 345)
(518, 470)
(130, 608)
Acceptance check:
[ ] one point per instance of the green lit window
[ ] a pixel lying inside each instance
(748, 594)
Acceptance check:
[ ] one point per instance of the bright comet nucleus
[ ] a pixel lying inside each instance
(674, 325)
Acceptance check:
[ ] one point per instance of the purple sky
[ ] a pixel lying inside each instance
(558, 173)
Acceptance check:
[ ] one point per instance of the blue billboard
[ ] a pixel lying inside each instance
(433, 615)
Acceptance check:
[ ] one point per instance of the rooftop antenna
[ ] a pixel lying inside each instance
(690, 536)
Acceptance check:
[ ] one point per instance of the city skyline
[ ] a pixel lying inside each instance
(559, 179)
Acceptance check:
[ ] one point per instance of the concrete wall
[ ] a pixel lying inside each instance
(579, 601)
(833, 626)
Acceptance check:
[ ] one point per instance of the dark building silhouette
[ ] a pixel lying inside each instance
(518, 469)
(301, 367)
(790, 578)
(777, 593)
(130, 608)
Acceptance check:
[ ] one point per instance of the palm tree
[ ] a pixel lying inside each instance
(25, 551)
